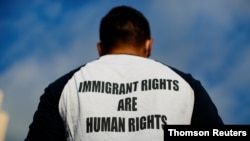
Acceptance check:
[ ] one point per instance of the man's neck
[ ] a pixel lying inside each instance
(129, 50)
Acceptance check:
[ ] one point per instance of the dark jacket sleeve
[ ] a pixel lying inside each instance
(205, 111)
(47, 124)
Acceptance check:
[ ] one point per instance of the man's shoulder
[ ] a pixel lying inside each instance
(181, 73)
(188, 77)
(60, 82)
(184, 75)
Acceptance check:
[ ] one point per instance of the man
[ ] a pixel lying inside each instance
(122, 95)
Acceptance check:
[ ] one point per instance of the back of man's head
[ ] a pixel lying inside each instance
(123, 25)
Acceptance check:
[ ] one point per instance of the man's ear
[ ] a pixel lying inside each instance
(99, 48)
(148, 47)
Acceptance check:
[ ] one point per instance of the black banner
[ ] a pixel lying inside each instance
(175, 131)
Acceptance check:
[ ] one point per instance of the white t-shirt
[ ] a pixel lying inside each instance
(124, 97)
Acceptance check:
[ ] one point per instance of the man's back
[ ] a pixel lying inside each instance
(121, 96)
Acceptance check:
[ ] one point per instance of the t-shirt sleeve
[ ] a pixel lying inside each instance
(47, 124)
(205, 111)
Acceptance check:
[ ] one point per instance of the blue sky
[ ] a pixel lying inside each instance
(41, 40)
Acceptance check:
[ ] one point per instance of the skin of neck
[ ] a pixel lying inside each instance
(142, 51)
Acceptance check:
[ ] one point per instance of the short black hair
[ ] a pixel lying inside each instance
(123, 25)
